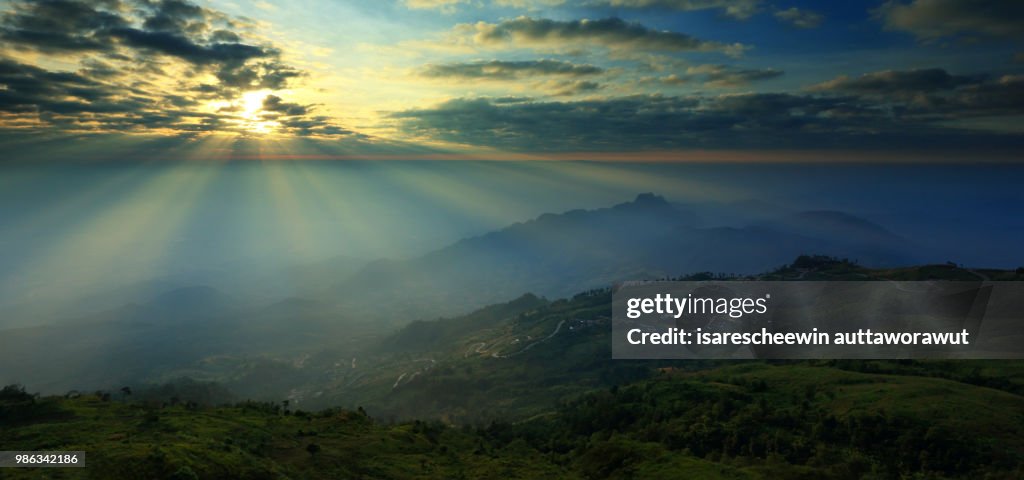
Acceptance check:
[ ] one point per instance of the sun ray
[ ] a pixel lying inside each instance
(114, 244)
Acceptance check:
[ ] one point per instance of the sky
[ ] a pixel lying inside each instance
(148, 144)
(710, 80)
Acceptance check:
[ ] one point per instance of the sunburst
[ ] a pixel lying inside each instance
(253, 116)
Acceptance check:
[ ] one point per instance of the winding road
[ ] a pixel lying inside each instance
(557, 329)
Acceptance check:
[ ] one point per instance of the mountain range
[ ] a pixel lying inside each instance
(340, 306)
(557, 255)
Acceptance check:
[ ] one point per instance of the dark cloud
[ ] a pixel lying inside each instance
(583, 86)
(932, 19)
(30, 88)
(800, 18)
(140, 61)
(225, 36)
(61, 25)
(174, 15)
(718, 76)
(185, 48)
(634, 122)
(274, 105)
(95, 68)
(315, 126)
(566, 88)
(756, 120)
(271, 74)
(934, 93)
(508, 70)
(892, 82)
(738, 9)
(138, 30)
(73, 101)
(297, 119)
(613, 33)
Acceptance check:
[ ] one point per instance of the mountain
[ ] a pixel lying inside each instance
(202, 332)
(422, 335)
(556, 255)
(516, 359)
(196, 330)
(847, 235)
(190, 303)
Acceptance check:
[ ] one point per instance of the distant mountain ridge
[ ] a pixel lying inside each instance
(556, 255)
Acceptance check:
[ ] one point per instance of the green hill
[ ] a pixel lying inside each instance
(247, 441)
(527, 389)
(787, 421)
(752, 420)
(516, 360)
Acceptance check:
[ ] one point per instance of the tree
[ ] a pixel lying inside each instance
(125, 392)
(184, 473)
(15, 392)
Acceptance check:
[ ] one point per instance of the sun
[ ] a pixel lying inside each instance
(252, 103)
(253, 119)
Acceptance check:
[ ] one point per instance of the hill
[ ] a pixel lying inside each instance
(785, 421)
(246, 441)
(509, 362)
(751, 420)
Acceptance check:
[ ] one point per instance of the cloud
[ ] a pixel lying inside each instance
(933, 19)
(529, 4)
(182, 47)
(58, 26)
(737, 9)
(933, 93)
(275, 106)
(32, 89)
(726, 76)
(444, 5)
(67, 100)
(845, 114)
(715, 76)
(612, 33)
(671, 80)
(800, 18)
(143, 65)
(891, 82)
(554, 77)
(567, 88)
(646, 122)
(297, 119)
(508, 70)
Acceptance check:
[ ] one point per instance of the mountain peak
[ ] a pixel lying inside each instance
(645, 201)
(650, 199)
